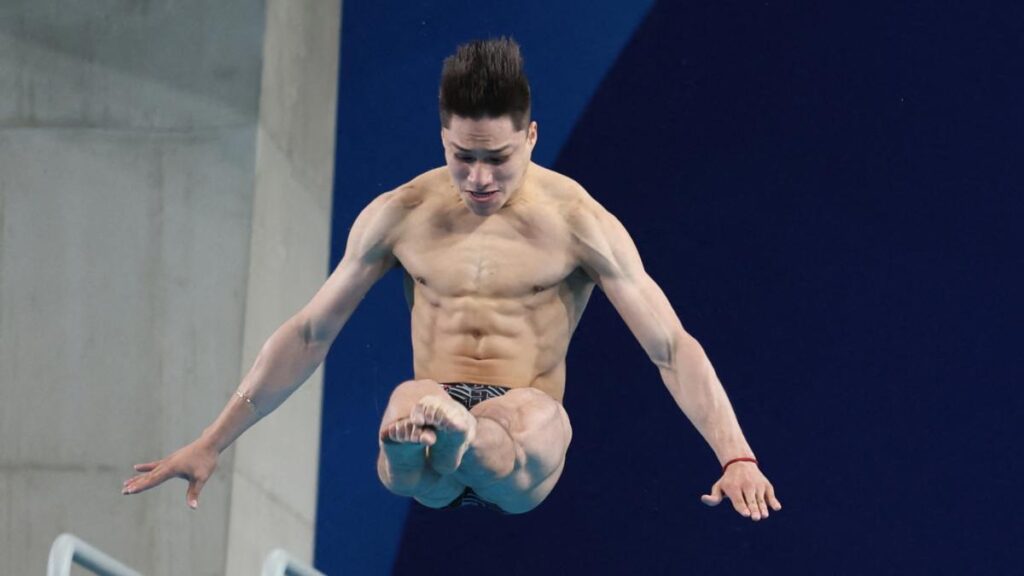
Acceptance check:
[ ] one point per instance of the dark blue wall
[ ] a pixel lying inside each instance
(830, 196)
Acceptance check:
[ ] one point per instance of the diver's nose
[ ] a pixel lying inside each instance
(480, 176)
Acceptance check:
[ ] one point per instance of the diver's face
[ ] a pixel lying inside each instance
(487, 159)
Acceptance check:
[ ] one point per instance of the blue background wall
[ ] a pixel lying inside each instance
(829, 196)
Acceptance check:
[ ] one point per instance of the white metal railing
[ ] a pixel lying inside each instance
(68, 549)
(280, 563)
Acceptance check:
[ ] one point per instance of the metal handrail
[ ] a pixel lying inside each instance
(68, 549)
(280, 563)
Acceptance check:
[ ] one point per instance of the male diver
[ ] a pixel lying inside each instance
(500, 257)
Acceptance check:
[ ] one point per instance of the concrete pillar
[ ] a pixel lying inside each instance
(128, 163)
(127, 146)
(274, 479)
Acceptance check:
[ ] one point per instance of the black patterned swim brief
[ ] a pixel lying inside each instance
(470, 395)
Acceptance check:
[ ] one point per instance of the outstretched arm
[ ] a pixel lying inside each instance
(290, 355)
(610, 257)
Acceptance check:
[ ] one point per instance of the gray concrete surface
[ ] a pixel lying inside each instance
(129, 202)
(111, 64)
(274, 481)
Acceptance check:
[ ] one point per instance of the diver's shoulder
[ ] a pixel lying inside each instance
(567, 194)
(413, 193)
(431, 179)
(557, 186)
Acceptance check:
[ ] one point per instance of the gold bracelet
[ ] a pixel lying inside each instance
(248, 401)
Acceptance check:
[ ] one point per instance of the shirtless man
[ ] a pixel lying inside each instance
(500, 257)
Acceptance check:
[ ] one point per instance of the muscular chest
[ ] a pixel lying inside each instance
(500, 257)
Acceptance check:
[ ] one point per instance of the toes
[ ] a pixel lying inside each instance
(434, 414)
(403, 431)
(425, 412)
(411, 432)
(407, 432)
(416, 416)
(397, 432)
(428, 412)
(428, 437)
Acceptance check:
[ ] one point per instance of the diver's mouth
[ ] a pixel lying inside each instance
(485, 195)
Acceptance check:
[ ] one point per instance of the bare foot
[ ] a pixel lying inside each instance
(454, 426)
(405, 443)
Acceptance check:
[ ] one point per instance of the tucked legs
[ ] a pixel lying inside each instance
(509, 449)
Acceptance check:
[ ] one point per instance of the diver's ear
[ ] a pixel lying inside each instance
(531, 133)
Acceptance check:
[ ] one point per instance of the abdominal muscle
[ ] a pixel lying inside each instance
(499, 341)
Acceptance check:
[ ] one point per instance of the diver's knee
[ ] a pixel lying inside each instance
(542, 415)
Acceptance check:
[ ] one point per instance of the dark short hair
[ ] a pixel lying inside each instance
(485, 78)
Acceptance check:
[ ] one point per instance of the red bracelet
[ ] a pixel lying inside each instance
(737, 460)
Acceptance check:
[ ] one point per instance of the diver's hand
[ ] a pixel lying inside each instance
(751, 493)
(194, 462)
